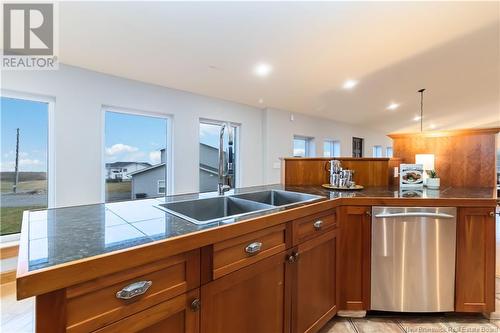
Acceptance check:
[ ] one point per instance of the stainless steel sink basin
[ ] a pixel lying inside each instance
(278, 197)
(203, 211)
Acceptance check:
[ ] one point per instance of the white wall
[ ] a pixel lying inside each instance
(80, 94)
(279, 129)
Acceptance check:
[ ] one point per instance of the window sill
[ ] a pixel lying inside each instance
(9, 249)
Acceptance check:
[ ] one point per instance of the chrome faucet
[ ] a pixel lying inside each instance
(226, 172)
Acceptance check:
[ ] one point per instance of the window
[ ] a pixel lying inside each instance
(331, 148)
(24, 160)
(302, 146)
(136, 155)
(388, 152)
(377, 151)
(161, 187)
(209, 154)
(357, 147)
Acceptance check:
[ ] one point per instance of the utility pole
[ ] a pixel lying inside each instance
(16, 179)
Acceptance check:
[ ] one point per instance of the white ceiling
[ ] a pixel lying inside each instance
(392, 48)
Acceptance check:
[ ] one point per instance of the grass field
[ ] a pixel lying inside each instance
(11, 218)
(119, 187)
(26, 186)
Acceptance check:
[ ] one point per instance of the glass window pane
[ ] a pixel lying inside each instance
(336, 148)
(328, 148)
(31, 119)
(299, 147)
(388, 152)
(209, 155)
(135, 155)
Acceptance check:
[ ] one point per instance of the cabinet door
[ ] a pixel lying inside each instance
(253, 299)
(314, 296)
(354, 258)
(178, 315)
(475, 269)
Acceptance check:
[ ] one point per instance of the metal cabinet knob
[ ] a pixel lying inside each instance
(253, 248)
(292, 257)
(492, 214)
(195, 304)
(134, 289)
(368, 213)
(317, 225)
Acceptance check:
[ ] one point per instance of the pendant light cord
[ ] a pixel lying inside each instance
(421, 91)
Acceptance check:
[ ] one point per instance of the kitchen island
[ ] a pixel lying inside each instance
(203, 277)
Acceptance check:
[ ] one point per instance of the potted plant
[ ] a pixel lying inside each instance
(433, 181)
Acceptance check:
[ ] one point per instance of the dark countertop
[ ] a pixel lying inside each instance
(62, 235)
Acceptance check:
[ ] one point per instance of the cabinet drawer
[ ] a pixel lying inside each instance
(94, 304)
(239, 252)
(313, 225)
(176, 315)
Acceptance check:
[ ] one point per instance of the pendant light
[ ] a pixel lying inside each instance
(421, 91)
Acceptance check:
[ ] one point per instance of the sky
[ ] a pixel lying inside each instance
(32, 120)
(130, 138)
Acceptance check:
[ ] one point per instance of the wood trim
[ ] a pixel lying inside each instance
(457, 132)
(50, 311)
(7, 277)
(9, 251)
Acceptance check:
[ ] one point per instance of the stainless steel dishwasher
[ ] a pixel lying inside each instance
(413, 259)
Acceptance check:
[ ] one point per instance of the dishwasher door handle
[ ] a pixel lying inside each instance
(416, 214)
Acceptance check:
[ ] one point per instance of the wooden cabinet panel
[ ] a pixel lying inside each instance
(231, 255)
(312, 226)
(314, 296)
(173, 316)
(354, 257)
(475, 268)
(253, 299)
(94, 304)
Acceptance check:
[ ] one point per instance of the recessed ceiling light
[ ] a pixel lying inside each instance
(262, 69)
(261, 100)
(349, 84)
(432, 126)
(417, 118)
(393, 106)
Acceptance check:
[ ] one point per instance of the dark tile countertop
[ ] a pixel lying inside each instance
(62, 235)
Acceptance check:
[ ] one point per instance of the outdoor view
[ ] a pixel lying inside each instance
(209, 155)
(24, 134)
(135, 154)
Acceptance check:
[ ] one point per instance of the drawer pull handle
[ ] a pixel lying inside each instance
(253, 248)
(317, 225)
(195, 304)
(134, 289)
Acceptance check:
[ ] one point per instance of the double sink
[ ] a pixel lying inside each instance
(222, 208)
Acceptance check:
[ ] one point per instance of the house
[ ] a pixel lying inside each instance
(121, 170)
(209, 162)
(149, 182)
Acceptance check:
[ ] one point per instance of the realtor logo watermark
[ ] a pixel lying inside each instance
(29, 36)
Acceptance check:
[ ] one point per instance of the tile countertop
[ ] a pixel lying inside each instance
(62, 235)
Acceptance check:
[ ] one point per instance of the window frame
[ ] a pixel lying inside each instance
(158, 186)
(332, 143)
(168, 143)
(309, 144)
(375, 151)
(236, 146)
(391, 155)
(51, 151)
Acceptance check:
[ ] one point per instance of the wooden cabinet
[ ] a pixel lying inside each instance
(177, 315)
(314, 295)
(475, 266)
(354, 257)
(255, 298)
